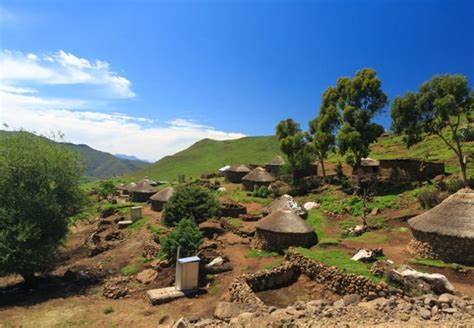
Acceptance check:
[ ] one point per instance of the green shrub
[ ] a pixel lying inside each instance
(453, 186)
(261, 192)
(190, 202)
(187, 235)
(106, 188)
(130, 269)
(108, 310)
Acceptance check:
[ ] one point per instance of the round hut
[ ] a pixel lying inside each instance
(127, 189)
(235, 173)
(159, 199)
(142, 192)
(285, 203)
(274, 166)
(282, 229)
(446, 232)
(257, 178)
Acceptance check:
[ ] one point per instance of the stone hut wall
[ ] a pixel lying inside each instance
(157, 205)
(234, 177)
(445, 248)
(408, 170)
(277, 242)
(141, 197)
(249, 185)
(273, 169)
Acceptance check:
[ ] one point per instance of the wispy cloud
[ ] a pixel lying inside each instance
(62, 68)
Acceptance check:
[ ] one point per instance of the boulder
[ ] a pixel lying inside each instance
(226, 310)
(311, 205)
(424, 282)
(351, 299)
(367, 255)
(147, 276)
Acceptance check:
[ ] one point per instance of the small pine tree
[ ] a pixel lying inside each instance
(187, 235)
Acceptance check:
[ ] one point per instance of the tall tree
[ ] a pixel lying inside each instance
(441, 107)
(39, 190)
(322, 129)
(294, 144)
(358, 101)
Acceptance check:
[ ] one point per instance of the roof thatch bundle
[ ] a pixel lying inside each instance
(276, 161)
(143, 187)
(453, 217)
(259, 175)
(284, 222)
(163, 195)
(238, 168)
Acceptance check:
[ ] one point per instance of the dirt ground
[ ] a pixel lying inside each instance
(57, 302)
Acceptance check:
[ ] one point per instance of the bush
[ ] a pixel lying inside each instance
(190, 202)
(187, 235)
(106, 188)
(108, 310)
(453, 186)
(429, 199)
(261, 192)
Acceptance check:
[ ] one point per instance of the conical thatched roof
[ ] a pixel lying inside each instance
(143, 187)
(259, 174)
(130, 186)
(453, 217)
(284, 222)
(277, 160)
(285, 203)
(163, 195)
(238, 168)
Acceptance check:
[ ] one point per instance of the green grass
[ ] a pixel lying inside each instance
(371, 237)
(209, 155)
(108, 310)
(235, 222)
(155, 229)
(272, 265)
(130, 269)
(240, 196)
(257, 253)
(318, 221)
(437, 264)
(339, 259)
(213, 290)
(138, 225)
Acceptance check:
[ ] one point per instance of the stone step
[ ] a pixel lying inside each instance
(124, 224)
(168, 294)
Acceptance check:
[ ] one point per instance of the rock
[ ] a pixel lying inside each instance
(338, 304)
(412, 279)
(351, 299)
(124, 224)
(430, 300)
(181, 323)
(425, 314)
(450, 310)
(216, 262)
(367, 255)
(375, 211)
(164, 319)
(243, 320)
(147, 276)
(226, 310)
(447, 298)
(311, 205)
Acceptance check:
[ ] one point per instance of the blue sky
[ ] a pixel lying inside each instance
(151, 77)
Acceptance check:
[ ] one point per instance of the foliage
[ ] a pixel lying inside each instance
(39, 190)
(137, 225)
(441, 107)
(130, 269)
(186, 235)
(318, 221)
(235, 222)
(106, 188)
(453, 185)
(190, 202)
(261, 192)
(356, 101)
(108, 309)
(294, 144)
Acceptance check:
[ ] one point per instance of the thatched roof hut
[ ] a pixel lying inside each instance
(159, 199)
(283, 229)
(446, 231)
(235, 173)
(285, 203)
(142, 191)
(126, 190)
(257, 178)
(274, 166)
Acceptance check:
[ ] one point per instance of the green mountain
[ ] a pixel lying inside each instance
(99, 164)
(209, 155)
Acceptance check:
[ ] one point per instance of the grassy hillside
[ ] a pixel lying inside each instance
(99, 164)
(209, 155)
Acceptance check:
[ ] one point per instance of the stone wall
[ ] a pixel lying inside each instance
(250, 185)
(157, 205)
(277, 242)
(242, 289)
(445, 248)
(234, 177)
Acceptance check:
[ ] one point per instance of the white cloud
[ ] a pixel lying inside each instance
(111, 132)
(62, 68)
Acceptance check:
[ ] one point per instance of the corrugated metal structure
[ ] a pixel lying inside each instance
(187, 273)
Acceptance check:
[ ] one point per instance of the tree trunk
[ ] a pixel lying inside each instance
(462, 164)
(324, 170)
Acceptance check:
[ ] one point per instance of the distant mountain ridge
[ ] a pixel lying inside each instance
(131, 158)
(99, 164)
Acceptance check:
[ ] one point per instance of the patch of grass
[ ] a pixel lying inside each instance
(272, 265)
(318, 221)
(371, 237)
(403, 229)
(130, 269)
(339, 259)
(241, 196)
(108, 310)
(137, 225)
(437, 264)
(155, 229)
(213, 290)
(235, 222)
(257, 253)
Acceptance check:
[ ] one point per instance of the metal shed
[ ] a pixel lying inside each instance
(187, 273)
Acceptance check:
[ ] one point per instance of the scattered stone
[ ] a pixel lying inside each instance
(367, 255)
(311, 205)
(147, 276)
(375, 211)
(427, 282)
(351, 299)
(226, 310)
(124, 224)
(425, 314)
